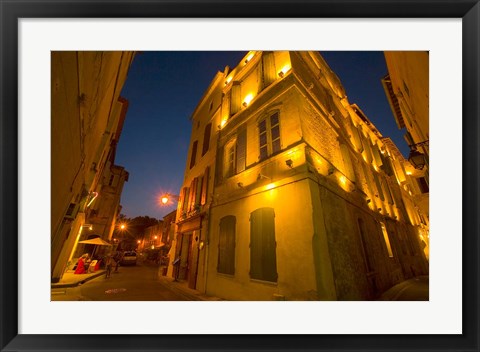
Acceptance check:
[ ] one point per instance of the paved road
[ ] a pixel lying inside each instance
(131, 283)
(416, 289)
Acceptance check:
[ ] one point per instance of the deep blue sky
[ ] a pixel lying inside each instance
(163, 89)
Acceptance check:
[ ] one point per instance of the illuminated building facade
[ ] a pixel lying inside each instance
(290, 191)
(87, 118)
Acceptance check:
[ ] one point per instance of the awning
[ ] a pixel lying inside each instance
(97, 241)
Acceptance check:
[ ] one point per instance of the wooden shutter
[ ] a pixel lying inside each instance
(236, 98)
(219, 166)
(206, 138)
(226, 245)
(263, 260)
(203, 201)
(194, 154)
(241, 150)
(269, 71)
(379, 186)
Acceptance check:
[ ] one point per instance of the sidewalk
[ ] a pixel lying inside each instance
(70, 279)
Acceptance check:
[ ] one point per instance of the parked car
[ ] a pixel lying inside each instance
(129, 258)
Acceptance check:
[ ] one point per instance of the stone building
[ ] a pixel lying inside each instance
(87, 118)
(407, 89)
(290, 192)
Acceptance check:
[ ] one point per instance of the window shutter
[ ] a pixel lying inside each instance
(236, 98)
(269, 71)
(226, 245)
(206, 138)
(241, 150)
(379, 186)
(386, 164)
(194, 154)
(263, 261)
(347, 162)
(219, 167)
(203, 201)
(376, 155)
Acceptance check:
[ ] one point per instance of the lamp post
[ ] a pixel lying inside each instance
(168, 198)
(417, 159)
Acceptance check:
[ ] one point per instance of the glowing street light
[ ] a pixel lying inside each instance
(167, 197)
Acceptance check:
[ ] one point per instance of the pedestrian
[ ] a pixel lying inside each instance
(108, 265)
(117, 258)
(81, 264)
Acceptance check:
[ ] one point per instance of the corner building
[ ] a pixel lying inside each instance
(290, 192)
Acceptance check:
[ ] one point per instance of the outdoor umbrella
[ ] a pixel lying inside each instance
(97, 241)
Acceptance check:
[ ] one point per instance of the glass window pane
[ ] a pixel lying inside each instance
(274, 119)
(263, 139)
(276, 146)
(275, 132)
(262, 126)
(263, 152)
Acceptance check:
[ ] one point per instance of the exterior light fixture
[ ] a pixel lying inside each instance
(89, 226)
(248, 58)
(240, 184)
(122, 227)
(284, 70)
(289, 163)
(331, 171)
(93, 195)
(138, 241)
(167, 197)
(247, 100)
(260, 176)
(416, 158)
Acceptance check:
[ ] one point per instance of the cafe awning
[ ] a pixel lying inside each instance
(96, 241)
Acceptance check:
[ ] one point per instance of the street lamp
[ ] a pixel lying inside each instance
(417, 159)
(168, 197)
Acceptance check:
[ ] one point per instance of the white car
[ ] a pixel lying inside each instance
(129, 258)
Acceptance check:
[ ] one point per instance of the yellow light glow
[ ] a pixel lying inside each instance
(343, 180)
(138, 241)
(164, 199)
(284, 70)
(153, 247)
(270, 186)
(223, 122)
(155, 237)
(408, 173)
(249, 57)
(122, 226)
(229, 79)
(247, 99)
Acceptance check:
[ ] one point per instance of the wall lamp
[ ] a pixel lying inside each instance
(417, 159)
(260, 176)
(289, 163)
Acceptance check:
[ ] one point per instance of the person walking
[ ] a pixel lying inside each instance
(108, 266)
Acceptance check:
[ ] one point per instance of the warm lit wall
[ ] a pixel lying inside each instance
(332, 173)
(85, 89)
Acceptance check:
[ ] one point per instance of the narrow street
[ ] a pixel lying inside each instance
(131, 283)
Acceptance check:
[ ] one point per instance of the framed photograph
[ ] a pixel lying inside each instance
(448, 30)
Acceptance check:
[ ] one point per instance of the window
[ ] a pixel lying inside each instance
(230, 159)
(269, 136)
(194, 154)
(263, 260)
(206, 139)
(226, 245)
(422, 183)
(236, 154)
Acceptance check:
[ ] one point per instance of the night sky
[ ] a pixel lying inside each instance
(163, 89)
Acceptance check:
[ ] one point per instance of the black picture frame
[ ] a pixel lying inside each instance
(12, 11)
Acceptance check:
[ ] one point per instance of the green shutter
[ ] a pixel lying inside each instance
(263, 260)
(236, 98)
(241, 150)
(226, 245)
(269, 72)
